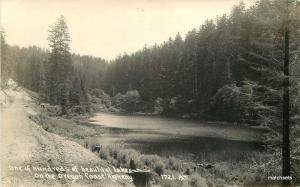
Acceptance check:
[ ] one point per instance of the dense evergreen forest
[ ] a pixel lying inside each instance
(232, 68)
(229, 69)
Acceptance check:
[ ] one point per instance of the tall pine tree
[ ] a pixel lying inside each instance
(59, 70)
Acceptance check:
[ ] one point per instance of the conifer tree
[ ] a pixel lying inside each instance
(59, 70)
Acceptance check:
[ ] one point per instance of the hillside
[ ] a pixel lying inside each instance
(24, 143)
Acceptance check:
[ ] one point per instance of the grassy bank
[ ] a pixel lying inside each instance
(253, 169)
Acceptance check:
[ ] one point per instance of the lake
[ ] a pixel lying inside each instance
(185, 139)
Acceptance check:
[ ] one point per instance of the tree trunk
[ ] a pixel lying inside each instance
(286, 165)
(228, 68)
(196, 81)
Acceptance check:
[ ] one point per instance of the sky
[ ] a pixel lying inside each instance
(107, 28)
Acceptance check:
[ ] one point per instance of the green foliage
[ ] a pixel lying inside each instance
(78, 96)
(234, 104)
(118, 100)
(59, 38)
(91, 69)
(129, 102)
(242, 46)
(226, 104)
(4, 67)
(121, 157)
(235, 47)
(26, 66)
(158, 108)
(197, 180)
(180, 105)
(159, 168)
(59, 68)
(60, 77)
(99, 97)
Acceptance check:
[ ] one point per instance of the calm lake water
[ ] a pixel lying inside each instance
(184, 139)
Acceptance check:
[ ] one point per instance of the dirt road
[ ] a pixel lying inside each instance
(24, 143)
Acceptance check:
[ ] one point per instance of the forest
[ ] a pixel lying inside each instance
(231, 68)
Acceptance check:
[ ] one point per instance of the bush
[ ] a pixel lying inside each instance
(98, 96)
(97, 92)
(173, 164)
(148, 160)
(118, 100)
(197, 180)
(158, 108)
(132, 100)
(104, 154)
(129, 102)
(159, 168)
(131, 158)
(232, 103)
(178, 105)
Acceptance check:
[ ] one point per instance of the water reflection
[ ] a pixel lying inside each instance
(180, 138)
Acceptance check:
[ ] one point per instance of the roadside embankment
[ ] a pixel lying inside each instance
(31, 156)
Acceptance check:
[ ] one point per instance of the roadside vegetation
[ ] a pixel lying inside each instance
(219, 170)
(234, 68)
